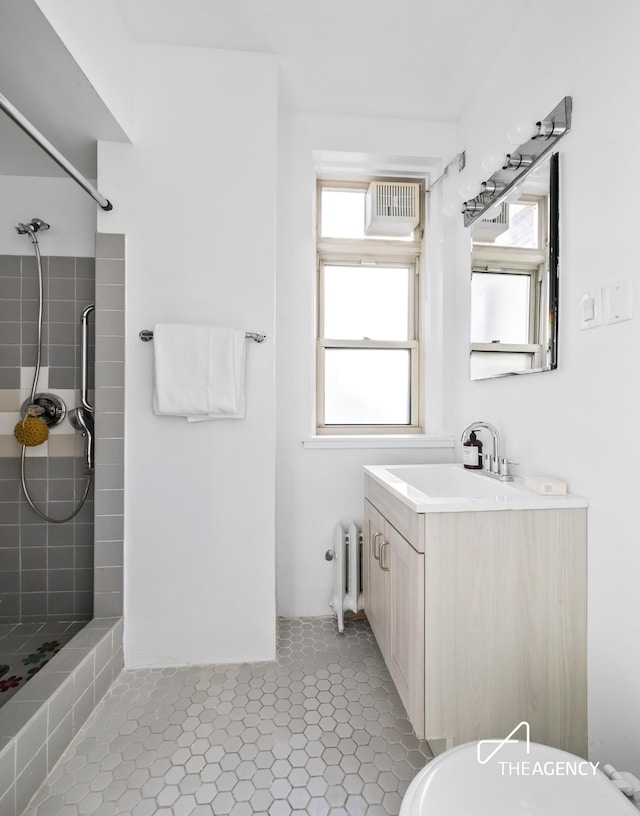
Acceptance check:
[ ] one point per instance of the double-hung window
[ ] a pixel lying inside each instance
(508, 326)
(368, 340)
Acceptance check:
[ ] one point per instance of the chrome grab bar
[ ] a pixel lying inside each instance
(84, 386)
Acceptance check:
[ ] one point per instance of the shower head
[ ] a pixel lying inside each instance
(31, 228)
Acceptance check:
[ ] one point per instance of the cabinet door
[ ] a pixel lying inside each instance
(376, 584)
(404, 567)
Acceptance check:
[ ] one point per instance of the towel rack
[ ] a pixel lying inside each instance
(146, 335)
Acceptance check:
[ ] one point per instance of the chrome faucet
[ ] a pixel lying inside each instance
(493, 465)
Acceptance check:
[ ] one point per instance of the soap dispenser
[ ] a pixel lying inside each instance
(472, 452)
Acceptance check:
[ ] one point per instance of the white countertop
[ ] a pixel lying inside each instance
(454, 489)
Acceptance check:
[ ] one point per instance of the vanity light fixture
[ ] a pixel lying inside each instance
(473, 206)
(546, 134)
(548, 129)
(514, 161)
(492, 188)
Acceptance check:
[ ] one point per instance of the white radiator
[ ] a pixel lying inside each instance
(346, 594)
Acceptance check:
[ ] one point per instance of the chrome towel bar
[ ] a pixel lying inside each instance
(146, 335)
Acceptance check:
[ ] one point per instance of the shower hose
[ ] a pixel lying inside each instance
(34, 388)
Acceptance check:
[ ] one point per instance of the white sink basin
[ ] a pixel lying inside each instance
(452, 488)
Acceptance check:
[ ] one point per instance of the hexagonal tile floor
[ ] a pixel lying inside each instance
(320, 732)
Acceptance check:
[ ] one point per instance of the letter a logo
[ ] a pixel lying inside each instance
(499, 743)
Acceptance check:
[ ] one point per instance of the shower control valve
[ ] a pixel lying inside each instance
(50, 408)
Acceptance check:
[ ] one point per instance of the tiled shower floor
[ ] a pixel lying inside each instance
(26, 647)
(320, 732)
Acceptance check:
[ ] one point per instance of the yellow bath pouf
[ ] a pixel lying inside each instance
(31, 430)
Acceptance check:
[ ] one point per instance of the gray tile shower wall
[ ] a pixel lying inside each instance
(68, 286)
(46, 570)
(109, 390)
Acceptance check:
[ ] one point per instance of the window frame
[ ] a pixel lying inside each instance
(362, 253)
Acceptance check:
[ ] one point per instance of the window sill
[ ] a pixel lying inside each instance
(379, 441)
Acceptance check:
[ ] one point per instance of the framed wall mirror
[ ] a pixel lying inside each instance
(514, 279)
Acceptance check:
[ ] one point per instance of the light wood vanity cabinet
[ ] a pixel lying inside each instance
(394, 586)
(481, 618)
(375, 580)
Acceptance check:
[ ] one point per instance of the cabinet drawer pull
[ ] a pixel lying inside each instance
(382, 566)
(376, 555)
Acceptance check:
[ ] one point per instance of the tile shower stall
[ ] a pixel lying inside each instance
(60, 583)
(46, 569)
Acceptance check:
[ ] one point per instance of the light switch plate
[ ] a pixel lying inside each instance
(618, 301)
(591, 309)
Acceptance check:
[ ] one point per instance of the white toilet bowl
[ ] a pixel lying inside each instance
(532, 779)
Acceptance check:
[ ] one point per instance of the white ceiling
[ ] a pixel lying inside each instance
(400, 58)
(397, 58)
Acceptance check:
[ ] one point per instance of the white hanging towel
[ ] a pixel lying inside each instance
(198, 371)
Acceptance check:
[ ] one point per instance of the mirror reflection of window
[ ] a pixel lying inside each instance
(500, 307)
(517, 225)
(514, 279)
(494, 364)
(523, 226)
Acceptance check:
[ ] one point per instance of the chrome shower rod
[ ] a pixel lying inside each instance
(23, 123)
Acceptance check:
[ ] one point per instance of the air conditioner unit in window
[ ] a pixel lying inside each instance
(391, 209)
(488, 229)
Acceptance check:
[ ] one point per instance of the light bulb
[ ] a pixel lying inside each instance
(451, 208)
(468, 190)
(492, 161)
(520, 132)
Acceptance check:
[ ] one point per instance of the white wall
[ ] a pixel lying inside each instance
(580, 422)
(318, 488)
(97, 39)
(195, 196)
(58, 201)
